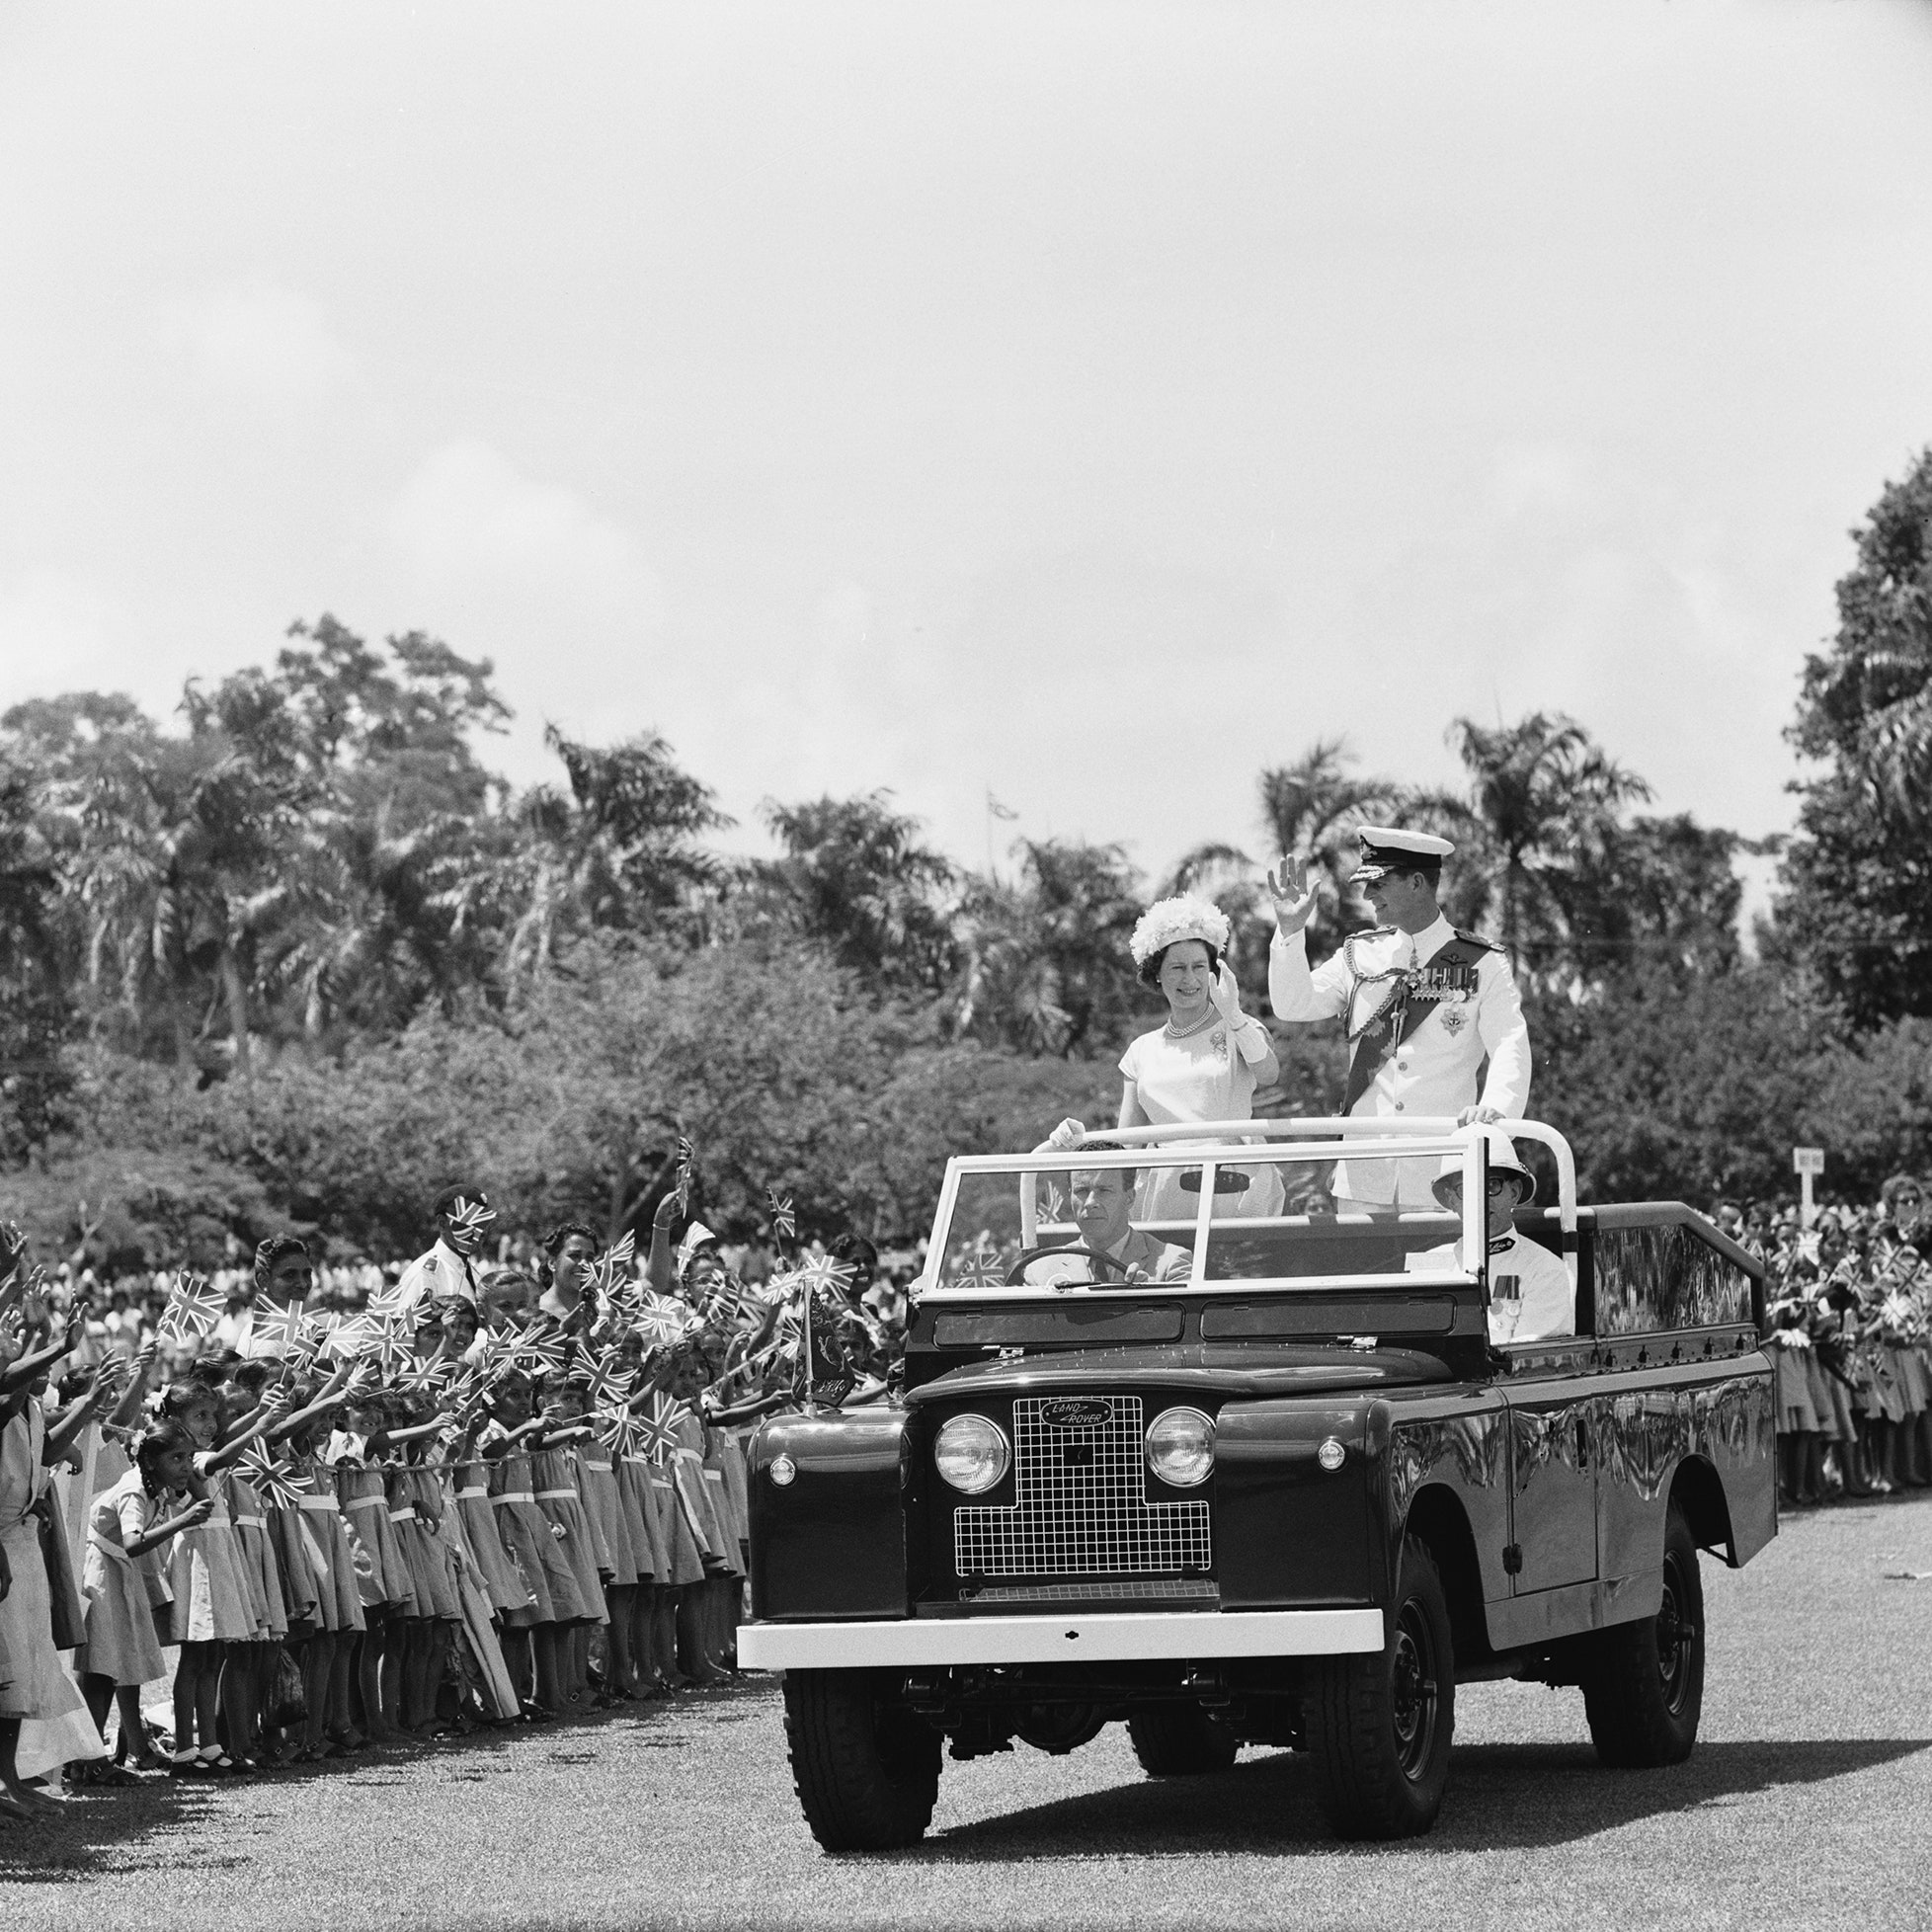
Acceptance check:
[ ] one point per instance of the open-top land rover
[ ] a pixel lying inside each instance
(1275, 1487)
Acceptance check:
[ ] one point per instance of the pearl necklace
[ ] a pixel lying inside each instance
(1184, 1032)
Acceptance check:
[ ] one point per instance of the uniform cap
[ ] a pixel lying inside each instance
(1389, 849)
(1504, 1160)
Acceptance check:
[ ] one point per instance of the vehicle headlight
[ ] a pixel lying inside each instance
(1180, 1447)
(971, 1453)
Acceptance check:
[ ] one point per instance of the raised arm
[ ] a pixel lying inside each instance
(1294, 992)
(657, 1265)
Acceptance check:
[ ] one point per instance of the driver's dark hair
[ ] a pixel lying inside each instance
(1129, 1176)
(1149, 968)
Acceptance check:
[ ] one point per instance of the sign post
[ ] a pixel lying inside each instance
(1806, 1163)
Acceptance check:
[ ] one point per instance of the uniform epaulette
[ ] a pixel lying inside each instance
(1476, 939)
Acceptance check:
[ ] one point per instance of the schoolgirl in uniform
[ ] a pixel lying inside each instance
(129, 1526)
(213, 1607)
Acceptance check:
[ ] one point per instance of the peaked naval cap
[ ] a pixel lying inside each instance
(1389, 849)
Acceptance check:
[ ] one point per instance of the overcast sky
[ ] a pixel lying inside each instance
(1092, 403)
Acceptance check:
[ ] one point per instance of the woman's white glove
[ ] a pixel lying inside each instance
(1248, 1033)
(1069, 1134)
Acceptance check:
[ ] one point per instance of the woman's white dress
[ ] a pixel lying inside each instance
(1198, 1076)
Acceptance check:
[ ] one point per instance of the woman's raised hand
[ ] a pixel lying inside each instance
(1293, 892)
(1226, 995)
(1069, 1134)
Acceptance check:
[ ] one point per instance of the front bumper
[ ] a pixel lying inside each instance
(1139, 1636)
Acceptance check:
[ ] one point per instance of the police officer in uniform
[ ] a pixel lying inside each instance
(1425, 1006)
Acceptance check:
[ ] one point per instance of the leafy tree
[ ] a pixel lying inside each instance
(1856, 905)
(35, 1013)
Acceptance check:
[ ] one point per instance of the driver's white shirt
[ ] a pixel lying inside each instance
(1151, 1259)
(1542, 1306)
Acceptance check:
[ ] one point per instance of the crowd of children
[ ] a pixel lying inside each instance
(494, 1495)
(1848, 1300)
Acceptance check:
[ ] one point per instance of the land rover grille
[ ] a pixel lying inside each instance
(1082, 1506)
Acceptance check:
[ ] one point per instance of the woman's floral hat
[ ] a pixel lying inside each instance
(1169, 921)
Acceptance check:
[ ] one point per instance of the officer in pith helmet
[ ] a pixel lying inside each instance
(1425, 1006)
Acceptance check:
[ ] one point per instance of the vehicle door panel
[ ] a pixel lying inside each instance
(1552, 1482)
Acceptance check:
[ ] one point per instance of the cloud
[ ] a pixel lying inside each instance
(265, 344)
(469, 521)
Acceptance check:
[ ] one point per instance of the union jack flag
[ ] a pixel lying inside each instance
(785, 1222)
(824, 1279)
(350, 1338)
(608, 1383)
(274, 1481)
(539, 1354)
(657, 1427)
(661, 1320)
(389, 1301)
(620, 1431)
(192, 1310)
(281, 1329)
(978, 1270)
(466, 1215)
(391, 1348)
(687, 1174)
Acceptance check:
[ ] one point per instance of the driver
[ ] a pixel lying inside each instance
(1530, 1297)
(1103, 1197)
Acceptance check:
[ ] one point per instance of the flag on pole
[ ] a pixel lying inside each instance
(687, 1174)
(785, 1222)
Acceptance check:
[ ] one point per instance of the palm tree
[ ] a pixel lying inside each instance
(1046, 966)
(1309, 810)
(1541, 796)
(855, 875)
(619, 850)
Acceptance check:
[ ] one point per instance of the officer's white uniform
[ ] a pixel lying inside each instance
(442, 1271)
(1541, 1304)
(1433, 1071)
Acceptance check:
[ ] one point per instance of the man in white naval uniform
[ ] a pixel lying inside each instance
(1530, 1296)
(1424, 1005)
(449, 1266)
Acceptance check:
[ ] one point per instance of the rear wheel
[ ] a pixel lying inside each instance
(1180, 1741)
(866, 1771)
(1643, 1686)
(1379, 1726)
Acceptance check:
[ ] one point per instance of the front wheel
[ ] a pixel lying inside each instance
(1643, 1685)
(866, 1771)
(1379, 1726)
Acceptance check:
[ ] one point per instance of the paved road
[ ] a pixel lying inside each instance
(1806, 1805)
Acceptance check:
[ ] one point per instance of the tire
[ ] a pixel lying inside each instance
(1180, 1741)
(1379, 1726)
(866, 1773)
(1643, 1685)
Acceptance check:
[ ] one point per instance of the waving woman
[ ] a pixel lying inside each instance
(1204, 1064)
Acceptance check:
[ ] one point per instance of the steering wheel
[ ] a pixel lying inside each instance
(1032, 1254)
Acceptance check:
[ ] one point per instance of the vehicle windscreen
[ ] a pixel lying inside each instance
(1168, 1220)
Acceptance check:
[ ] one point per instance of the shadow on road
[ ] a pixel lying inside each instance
(1500, 1796)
